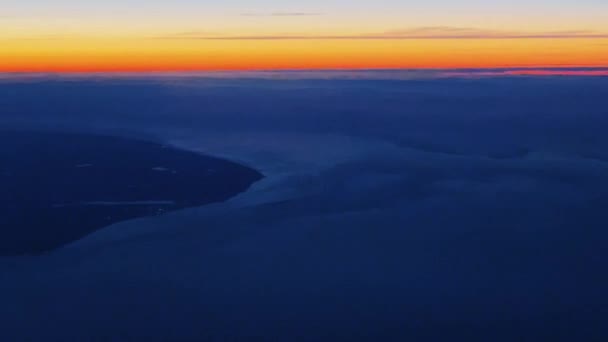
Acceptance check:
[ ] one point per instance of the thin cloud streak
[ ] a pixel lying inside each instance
(413, 34)
(281, 14)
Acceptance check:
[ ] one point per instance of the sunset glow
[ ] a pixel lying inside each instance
(73, 37)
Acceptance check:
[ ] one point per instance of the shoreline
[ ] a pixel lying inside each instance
(77, 184)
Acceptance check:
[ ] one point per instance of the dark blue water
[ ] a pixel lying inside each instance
(56, 188)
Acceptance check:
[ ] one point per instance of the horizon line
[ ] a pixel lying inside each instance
(573, 71)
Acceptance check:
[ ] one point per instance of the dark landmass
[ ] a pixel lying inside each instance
(59, 187)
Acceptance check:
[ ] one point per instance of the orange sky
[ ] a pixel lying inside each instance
(152, 54)
(158, 35)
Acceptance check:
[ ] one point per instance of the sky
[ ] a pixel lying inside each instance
(138, 35)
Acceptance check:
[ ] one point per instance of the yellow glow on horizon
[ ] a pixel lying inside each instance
(73, 54)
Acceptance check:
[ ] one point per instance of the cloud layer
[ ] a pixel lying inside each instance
(425, 209)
